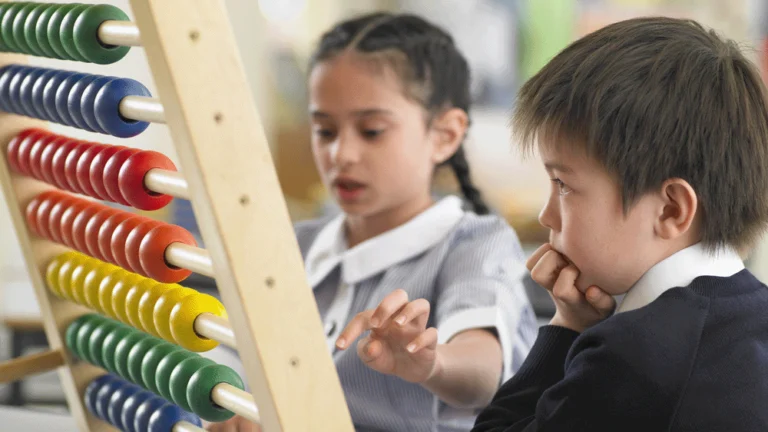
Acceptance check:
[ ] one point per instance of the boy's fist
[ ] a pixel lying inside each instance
(576, 310)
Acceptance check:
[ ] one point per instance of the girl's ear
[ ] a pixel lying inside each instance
(450, 127)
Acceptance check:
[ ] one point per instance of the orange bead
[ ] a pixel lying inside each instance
(80, 223)
(152, 253)
(120, 236)
(133, 243)
(107, 230)
(68, 219)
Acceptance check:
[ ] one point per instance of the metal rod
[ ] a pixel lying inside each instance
(236, 400)
(215, 328)
(190, 257)
(167, 182)
(119, 33)
(142, 109)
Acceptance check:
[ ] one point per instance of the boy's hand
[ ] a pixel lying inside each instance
(576, 310)
(400, 343)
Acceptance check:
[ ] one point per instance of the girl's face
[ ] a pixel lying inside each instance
(371, 143)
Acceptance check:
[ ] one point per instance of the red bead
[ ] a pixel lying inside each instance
(120, 236)
(59, 164)
(55, 215)
(13, 149)
(96, 174)
(107, 230)
(131, 180)
(70, 165)
(83, 169)
(152, 253)
(31, 214)
(25, 147)
(92, 231)
(80, 223)
(133, 242)
(44, 223)
(112, 172)
(46, 159)
(36, 153)
(68, 219)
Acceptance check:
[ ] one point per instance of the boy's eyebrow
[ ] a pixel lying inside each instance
(558, 167)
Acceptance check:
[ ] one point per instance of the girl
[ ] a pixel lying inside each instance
(389, 102)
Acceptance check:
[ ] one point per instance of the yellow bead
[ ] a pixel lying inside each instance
(162, 313)
(147, 306)
(77, 282)
(52, 273)
(120, 291)
(65, 275)
(106, 287)
(133, 298)
(183, 317)
(91, 284)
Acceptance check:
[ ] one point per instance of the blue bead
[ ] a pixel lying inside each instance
(117, 402)
(107, 107)
(25, 92)
(62, 96)
(129, 409)
(87, 105)
(14, 90)
(73, 102)
(6, 75)
(49, 95)
(145, 411)
(163, 419)
(103, 396)
(37, 94)
(92, 390)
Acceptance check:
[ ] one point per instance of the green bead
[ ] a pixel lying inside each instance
(136, 356)
(70, 336)
(110, 345)
(151, 360)
(84, 337)
(96, 344)
(6, 26)
(3, 9)
(18, 27)
(180, 379)
(86, 34)
(29, 30)
(54, 30)
(200, 387)
(122, 350)
(41, 31)
(165, 368)
(67, 29)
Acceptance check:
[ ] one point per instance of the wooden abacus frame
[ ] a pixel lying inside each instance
(241, 214)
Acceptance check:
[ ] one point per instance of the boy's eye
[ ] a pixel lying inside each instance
(562, 187)
(324, 133)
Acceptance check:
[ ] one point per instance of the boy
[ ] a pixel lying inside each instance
(655, 134)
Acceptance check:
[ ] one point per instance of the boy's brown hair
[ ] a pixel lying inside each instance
(659, 98)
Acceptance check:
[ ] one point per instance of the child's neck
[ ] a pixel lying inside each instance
(362, 228)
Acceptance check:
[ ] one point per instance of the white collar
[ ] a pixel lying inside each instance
(679, 270)
(383, 251)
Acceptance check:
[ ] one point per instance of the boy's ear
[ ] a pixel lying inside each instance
(678, 212)
(450, 127)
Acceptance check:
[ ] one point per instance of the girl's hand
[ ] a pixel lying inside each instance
(576, 310)
(399, 343)
(235, 424)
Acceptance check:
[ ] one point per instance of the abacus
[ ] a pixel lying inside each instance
(124, 334)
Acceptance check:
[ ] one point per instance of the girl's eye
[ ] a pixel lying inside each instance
(372, 133)
(562, 187)
(324, 133)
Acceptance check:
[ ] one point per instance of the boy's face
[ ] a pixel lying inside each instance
(611, 249)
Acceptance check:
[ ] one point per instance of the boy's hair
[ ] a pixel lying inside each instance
(432, 70)
(659, 98)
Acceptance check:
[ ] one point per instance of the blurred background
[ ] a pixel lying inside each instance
(506, 41)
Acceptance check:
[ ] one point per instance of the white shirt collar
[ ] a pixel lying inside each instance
(383, 251)
(679, 270)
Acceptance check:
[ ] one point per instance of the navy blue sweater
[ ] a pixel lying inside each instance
(696, 359)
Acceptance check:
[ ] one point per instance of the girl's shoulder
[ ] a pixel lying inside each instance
(307, 230)
(484, 232)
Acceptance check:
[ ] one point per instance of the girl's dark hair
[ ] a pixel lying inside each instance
(432, 69)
